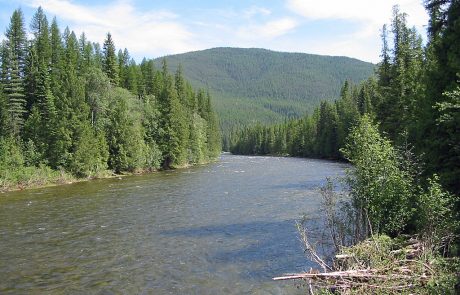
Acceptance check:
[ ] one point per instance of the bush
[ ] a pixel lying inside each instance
(381, 191)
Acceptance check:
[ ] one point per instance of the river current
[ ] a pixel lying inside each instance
(223, 228)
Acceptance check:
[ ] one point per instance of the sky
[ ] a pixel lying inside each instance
(158, 28)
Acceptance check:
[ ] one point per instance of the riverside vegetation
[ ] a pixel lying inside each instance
(70, 108)
(400, 130)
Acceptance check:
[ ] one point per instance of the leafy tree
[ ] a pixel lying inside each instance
(380, 190)
(125, 135)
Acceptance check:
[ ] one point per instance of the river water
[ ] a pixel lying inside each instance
(222, 228)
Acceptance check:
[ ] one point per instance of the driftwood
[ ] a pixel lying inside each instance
(401, 274)
(366, 279)
(353, 274)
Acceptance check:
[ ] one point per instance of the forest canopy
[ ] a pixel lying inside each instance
(71, 105)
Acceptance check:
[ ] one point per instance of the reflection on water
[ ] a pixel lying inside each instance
(224, 228)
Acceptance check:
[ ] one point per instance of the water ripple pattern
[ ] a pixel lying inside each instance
(223, 228)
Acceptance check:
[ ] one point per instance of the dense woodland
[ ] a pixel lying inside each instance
(414, 97)
(401, 132)
(70, 106)
(252, 85)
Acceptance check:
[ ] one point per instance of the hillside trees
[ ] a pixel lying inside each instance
(438, 106)
(68, 105)
(399, 130)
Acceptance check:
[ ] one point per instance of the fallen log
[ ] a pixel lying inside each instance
(367, 274)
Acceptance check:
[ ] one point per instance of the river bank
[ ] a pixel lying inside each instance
(43, 176)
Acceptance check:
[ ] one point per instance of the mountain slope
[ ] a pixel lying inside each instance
(259, 85)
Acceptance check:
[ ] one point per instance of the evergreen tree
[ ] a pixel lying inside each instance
(110, 64)
(4, 123)
(12, 76)
(125, 134)
(56, 57)
(16, 42)
(436, 137)
(327, 143)
(40, 30)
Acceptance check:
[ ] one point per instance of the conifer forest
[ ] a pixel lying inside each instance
(378, 182)
(72, 107)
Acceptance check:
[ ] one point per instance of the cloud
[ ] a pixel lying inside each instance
(375, 11)
(255, 10)
(268, 30)
(144, 33)
(367, 18)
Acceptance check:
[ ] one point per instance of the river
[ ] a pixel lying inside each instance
(223, 228)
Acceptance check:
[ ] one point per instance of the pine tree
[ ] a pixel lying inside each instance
(16, 41)
(4, 122)
(436, 136)
(85, 54)
(327, 145)
(13, 58)
(40, 30)
(123, 64)
(40, 126)
(214, 139)
(110, 64)
(56, 57)
(14, 91)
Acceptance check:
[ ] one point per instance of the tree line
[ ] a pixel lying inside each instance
(414, 96)
(71, 105)
(257, 85)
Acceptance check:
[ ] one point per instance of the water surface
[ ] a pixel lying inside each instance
(223, 228)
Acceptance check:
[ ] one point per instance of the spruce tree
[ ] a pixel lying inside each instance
(13, 59)
(56, 56)
(437, 139)
(110, 64)
(40, 30)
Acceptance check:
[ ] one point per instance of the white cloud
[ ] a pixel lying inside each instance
(146, 33)
(268, 30)
(368, 18)
(255, 10)
(375, 11)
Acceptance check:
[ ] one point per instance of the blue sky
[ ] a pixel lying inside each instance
(157, 28)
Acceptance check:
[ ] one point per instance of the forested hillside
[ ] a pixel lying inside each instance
(400, 131)
(259, 85)
(68, 105)
(415, 99)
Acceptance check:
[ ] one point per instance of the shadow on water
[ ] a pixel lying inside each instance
(272, 246)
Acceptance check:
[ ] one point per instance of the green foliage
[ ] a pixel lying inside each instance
(61, 108)
(380, 189)
(436, 219)
(125, 138)
(10, 154)
(110, 60)
(12, 71)
(446, 279)
(90, 153)
(253, 86)
(318, 135)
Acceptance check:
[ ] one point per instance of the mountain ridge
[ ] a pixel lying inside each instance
(257, 85)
